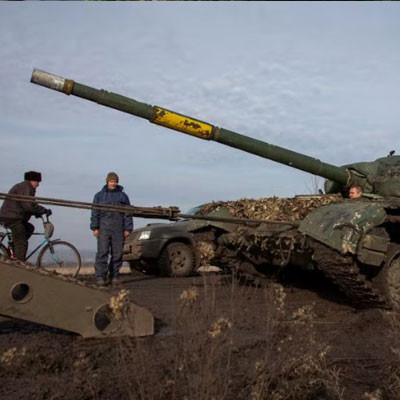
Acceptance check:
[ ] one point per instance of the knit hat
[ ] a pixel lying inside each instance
(112, 176)
(33, 176)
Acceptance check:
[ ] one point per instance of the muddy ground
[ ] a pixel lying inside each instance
(229, 340)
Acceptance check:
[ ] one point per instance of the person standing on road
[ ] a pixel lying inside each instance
(15, 214)
(110, 228)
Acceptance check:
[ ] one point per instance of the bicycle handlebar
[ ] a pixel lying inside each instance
(43, 216)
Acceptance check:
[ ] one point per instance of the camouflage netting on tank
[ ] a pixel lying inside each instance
(271, 244)
(273, 208)
(266, 243)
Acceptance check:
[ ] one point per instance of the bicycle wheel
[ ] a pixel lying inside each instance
(4, 251)
(60, 257)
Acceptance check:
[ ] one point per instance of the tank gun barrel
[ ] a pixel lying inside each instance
(191, 126)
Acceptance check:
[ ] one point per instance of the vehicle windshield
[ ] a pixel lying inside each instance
(194, 210)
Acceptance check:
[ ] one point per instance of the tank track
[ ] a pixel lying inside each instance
(342, 270)
(345, 273)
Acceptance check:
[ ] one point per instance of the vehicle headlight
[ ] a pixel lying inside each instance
(144, 235)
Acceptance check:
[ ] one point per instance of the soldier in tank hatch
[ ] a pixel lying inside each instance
(355, 192)
(110, 228)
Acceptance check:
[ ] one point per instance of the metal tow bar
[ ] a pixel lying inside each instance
(66, 303)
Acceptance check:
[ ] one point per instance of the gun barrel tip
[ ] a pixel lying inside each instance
(34, 75)
(48, 80)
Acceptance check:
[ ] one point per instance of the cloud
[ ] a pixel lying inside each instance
(320, 80)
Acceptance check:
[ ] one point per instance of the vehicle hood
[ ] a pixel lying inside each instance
(179, 227)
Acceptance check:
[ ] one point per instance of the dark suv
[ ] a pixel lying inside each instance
(169, 248)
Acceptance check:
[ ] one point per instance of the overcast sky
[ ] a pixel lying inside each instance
(318, 78)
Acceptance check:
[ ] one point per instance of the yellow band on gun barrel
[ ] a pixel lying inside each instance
(182, 123)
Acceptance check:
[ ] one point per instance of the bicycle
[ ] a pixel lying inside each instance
(55, 256)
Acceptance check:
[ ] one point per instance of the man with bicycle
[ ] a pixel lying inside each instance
(15, 214)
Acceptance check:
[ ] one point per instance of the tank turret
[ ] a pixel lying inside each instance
(381, 177)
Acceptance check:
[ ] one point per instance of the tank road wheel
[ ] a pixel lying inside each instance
(177, 259)
(388, 279)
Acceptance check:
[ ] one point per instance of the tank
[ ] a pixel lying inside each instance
(354, 242)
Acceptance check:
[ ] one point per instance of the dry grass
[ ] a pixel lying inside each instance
(391, 381)
(210, 354)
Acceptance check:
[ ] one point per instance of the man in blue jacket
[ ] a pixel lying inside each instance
(110, 228)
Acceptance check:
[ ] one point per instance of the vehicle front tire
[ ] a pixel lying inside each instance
(177, 259)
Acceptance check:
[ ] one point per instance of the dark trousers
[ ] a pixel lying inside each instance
(109, 254)
(21, 231)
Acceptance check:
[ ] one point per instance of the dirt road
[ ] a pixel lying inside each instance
(214, 339)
